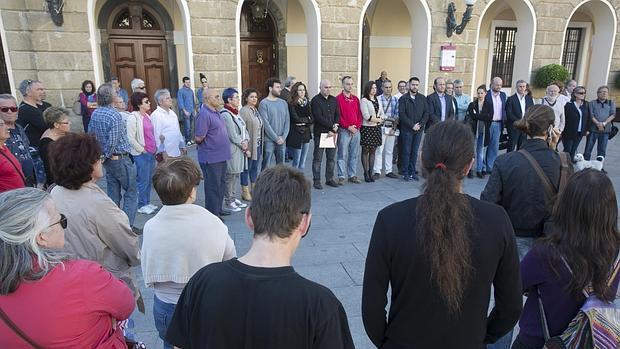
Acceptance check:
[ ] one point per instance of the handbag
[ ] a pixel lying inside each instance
(614, 131)
(77, 107)
(596, 325)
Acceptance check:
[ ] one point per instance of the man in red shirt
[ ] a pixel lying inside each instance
(11, 175)
(349, 132)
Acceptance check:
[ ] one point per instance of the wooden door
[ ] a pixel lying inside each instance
(143, 58)
(258, 63)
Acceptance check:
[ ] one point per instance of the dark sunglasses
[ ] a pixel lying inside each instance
(7, 109)
(580, 93)
(62, 222)
(142, 87)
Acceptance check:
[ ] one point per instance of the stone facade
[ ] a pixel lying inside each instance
(62, 56)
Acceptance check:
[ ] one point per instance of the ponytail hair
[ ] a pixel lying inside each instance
(444, 215)
(536, 120)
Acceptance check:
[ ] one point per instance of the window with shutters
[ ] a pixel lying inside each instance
(504, 54)
(572, 50)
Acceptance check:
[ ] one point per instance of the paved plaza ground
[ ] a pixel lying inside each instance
(334, 252)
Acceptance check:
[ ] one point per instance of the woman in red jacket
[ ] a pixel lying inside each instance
(11, 175)
(47, 300)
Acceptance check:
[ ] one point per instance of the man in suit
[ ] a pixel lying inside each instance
(440, 105)
(516, 105)
(413, 116)
(494, 104)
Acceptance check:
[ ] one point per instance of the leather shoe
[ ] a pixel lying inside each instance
(415, 177)
(391, 175)
(331, 183)
(355, 180)
(479, 174)
(376, 176)
(317, 185)
(470, 174)
(367, 178)
(224, 213)
(406, 178)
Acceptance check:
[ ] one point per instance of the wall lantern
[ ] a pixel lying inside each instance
(259, 10)
(451, 19)
(55, 7)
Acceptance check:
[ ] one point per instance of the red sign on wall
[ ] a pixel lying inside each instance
(447, 58)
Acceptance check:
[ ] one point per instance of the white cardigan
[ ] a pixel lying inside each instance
(135, 133)
(180, 240)
(369, 117)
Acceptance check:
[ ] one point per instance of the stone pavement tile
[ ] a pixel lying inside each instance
(351, 299)
(339, 234)
(355, 271)
(329, 275)
(326, 254)
(360, 339)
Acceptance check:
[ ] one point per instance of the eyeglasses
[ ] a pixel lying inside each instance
(142, 87)
(146, 102)
(64, 122)
(7, 109)
(63, 222)
(580, 93)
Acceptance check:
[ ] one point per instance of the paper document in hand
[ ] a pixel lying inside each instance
(327, 141)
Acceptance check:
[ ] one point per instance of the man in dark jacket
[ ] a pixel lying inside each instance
(326, 117)
(440, 105)
(413, 116)
(516, 105)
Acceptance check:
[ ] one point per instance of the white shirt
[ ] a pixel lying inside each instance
(167, 123)
(522, 103)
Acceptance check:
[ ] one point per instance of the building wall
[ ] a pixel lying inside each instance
(62, 56)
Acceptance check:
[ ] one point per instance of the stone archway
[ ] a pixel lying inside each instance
(599, 22)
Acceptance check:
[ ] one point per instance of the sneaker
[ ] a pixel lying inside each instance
(355, 180)
(152, 207)
(231, 207)
(415, 177)
(146, 210)
(340, 181)
(225, 212)
(240, 204)
(331, 183)
(391, 175)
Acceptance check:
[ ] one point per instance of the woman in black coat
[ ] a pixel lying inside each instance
(577, 114)
(300, 133)
(480, 125)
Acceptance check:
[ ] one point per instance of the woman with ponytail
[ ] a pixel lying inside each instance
(440, 253)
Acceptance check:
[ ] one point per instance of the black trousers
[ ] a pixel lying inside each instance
(317, 159)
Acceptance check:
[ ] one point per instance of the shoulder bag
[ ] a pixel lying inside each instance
(18, 331)
(596, 325)
(564, 172)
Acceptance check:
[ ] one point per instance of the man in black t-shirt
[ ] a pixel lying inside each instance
(258, 300)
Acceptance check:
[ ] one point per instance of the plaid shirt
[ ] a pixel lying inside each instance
(107, 125)
(390, 107)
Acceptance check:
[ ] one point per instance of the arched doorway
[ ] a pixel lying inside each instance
(590, 28)
(393, 32)
(5, 85)
(259, 49)
(505, 44)
(137, 47)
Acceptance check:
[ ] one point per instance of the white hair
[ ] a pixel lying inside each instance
(135, 83)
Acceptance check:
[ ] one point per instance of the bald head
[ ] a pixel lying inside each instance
(325, 87)
(496, 84)
(212, 99)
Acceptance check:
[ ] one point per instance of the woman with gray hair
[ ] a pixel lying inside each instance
(46, 299)
(58, 125)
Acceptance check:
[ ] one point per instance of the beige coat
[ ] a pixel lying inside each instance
(254, 125)
(369, 117)
(99, 231)
(135, 133)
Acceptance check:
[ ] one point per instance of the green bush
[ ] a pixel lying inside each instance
(550, 73)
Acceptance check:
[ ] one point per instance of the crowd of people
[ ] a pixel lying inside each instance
(538, 229)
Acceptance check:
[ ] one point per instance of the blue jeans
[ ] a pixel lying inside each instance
(121, 174)
(480, 152)
(162, 313)
(251, 173)
(348, 144)
(411, 144)
(214, 185)
(601, 144)
(39, 168)
(523, 247)
(272, 148)
(299, 155)
(187, 126)
(571, 145)
(145, 166)
(493, 148)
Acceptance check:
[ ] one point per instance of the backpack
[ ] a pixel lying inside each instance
(596, 325)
